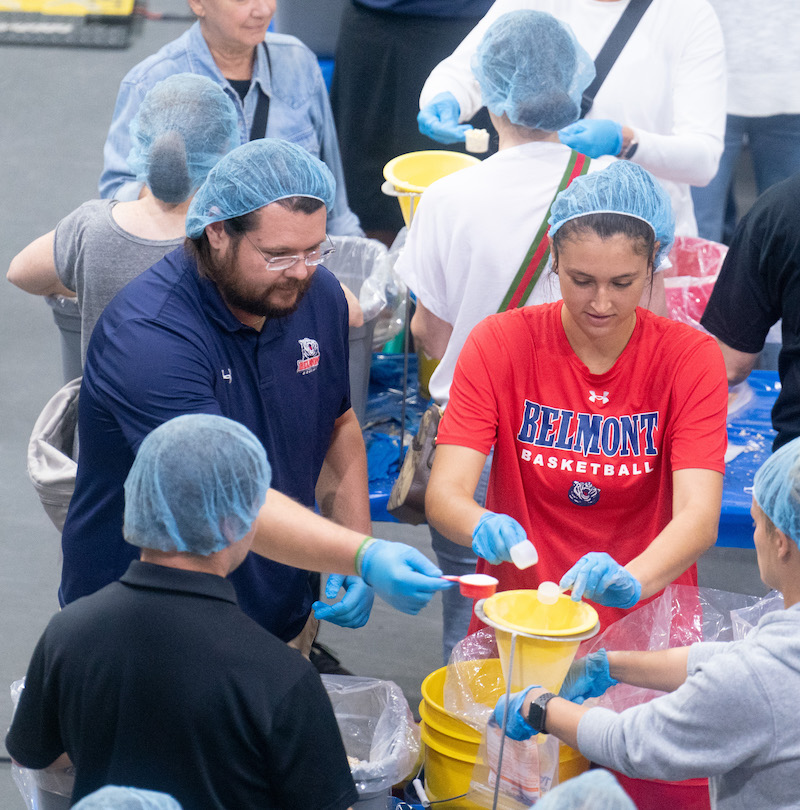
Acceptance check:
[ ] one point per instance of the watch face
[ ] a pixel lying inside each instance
(536, 717)
(538, 711)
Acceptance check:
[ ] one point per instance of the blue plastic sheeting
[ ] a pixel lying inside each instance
(750, 428)
(382, 424)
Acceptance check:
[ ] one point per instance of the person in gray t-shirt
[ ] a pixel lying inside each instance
(184, 125)
(730, 714)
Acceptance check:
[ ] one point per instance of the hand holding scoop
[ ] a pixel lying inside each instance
(474, 586)
(548, 592)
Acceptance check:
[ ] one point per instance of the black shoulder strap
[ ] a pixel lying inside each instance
(612, 49)
(259, 128)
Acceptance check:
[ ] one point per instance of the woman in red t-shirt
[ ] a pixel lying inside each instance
(607, 422)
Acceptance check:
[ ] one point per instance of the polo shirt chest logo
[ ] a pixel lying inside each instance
(309, 361)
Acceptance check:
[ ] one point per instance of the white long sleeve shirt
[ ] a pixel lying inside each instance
(668, 84)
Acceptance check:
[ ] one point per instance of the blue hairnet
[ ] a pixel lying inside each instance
(530, 67)
(257, 174)
(594, 790)
(622, 188)
(195, 486)
(112, 797)
(183, 126)
(776, 489)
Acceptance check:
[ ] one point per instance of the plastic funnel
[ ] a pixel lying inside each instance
(410, 174)
(548, 636)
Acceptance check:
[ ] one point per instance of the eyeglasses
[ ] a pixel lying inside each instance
(311, 258)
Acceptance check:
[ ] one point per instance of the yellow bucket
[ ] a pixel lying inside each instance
(410, 174)
(451, 746)
(548, 636)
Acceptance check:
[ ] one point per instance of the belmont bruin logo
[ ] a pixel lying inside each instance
(310, 358)
(584, 493)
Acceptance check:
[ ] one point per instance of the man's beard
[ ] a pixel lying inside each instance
(239, 295)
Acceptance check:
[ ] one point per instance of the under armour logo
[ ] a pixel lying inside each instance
(601, 398)
(226, 375)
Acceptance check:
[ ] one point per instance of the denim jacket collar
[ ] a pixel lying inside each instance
(201, 60)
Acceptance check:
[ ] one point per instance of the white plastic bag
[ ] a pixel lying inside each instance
(53, 452)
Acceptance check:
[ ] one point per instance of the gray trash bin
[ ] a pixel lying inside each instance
(67, 315)
(358, 260)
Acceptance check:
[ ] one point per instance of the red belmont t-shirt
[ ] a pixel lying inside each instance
(584, 461)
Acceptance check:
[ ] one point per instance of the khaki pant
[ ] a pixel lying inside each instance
(305, 638)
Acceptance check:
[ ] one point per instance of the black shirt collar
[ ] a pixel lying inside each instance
(161, 577)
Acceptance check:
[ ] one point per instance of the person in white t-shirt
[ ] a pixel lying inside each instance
(472, 229)
(662, 104)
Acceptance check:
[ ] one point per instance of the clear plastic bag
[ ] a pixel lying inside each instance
(529, 769)
(473, 684)
(682, 615)
(363, 266)
(474, 680)
(393, 316)
(41, 790)
(746, 618)
(695, 265)
(377, 728)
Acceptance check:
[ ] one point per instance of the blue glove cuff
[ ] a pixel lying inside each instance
(363, 553)
(637, 593)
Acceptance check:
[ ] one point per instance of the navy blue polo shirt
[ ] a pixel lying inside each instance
(168, 345)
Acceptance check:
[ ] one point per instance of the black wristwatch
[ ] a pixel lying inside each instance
(537, 712)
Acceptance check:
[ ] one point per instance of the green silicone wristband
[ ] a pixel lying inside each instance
(362, 550)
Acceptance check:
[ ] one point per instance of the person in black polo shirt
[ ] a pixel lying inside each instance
(159, 681)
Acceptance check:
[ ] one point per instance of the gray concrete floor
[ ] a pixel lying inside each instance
(57, 105)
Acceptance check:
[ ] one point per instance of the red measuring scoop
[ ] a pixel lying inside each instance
(474, 586)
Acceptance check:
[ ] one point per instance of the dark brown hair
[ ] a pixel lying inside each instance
(237, 227)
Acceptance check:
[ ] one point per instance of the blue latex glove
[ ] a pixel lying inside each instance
(353, 609)
(401, 575)
(599, 577)
(518, 728)
(593, 137)
(439, 120)
(495, 535)
(588, 677)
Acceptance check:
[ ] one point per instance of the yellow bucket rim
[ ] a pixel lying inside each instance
(432, 718)
(405, 186)
(444, 746)
(588, 620)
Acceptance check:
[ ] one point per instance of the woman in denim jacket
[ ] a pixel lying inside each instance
(273, 79)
